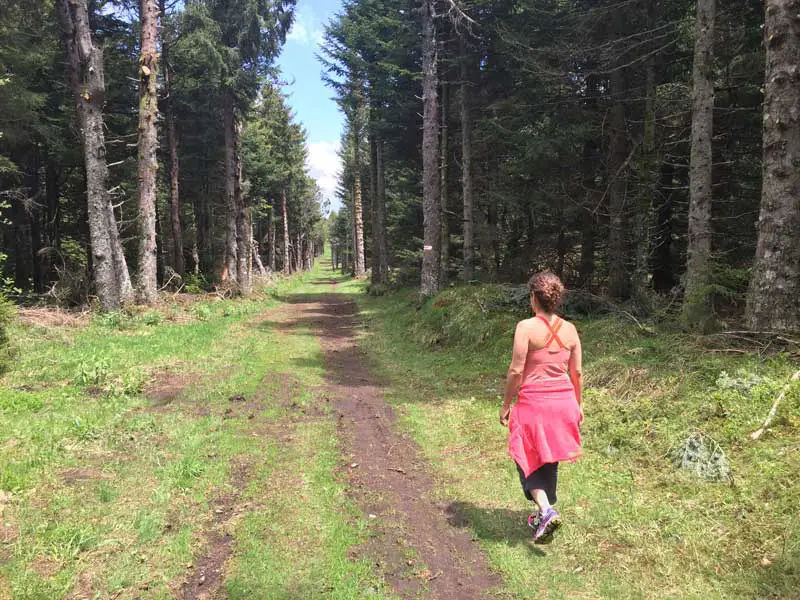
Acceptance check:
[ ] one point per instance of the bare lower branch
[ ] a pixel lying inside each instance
(774, 410)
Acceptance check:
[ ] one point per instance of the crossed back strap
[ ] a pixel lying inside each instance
(553, 337)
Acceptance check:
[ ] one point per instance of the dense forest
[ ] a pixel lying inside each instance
(641, 149)
(148, 145)
(646, 151)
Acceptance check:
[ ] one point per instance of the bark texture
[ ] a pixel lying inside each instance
(231, 191)
(359, 267)
(432, 235)
(178, 262)
(773, 301)
(147, 280)
(286, 265)
(444, 167)
(87, 81)
(466, 167)
(380, 246)
(271, 240)
(696, 306)
(244, 234)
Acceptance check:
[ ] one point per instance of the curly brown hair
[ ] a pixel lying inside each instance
(548, 290)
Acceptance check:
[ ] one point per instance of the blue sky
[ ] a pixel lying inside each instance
(309, 96)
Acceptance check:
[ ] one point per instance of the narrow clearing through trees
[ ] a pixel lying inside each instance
(415, 546)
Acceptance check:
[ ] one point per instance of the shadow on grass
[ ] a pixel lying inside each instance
(494, 524)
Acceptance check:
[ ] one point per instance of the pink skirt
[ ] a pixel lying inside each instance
(544, 425)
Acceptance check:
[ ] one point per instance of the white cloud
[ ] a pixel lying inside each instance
(305, 29)
(324, 165)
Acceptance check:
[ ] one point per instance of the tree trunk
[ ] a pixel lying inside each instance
(618, 280)
(257, 259)
(195, 245)
(126, 294)
(147, 284)
(773, 301)
(231, 185)
(380, 225)
(271, 240)
(298, 253)
(358, 213)
(244, 232)
(445, 252)
(308, 257)
(466, 166)
(174, 163)
(696, 306)
(373, 194)
(432, 236)
(87, 81)
(286, 265)
(647, 189)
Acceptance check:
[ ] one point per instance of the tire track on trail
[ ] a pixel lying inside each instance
(418, 552)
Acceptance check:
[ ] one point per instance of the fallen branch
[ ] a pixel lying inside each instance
(774, 410)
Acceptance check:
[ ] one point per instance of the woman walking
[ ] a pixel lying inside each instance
(545, 377)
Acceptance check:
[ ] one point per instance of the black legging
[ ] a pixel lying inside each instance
(544, 478)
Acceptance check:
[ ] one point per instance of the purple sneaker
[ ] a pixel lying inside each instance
(548, 523)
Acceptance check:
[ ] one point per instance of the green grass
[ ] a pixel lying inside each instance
(636, 527)
(108, 495)
(107, 492)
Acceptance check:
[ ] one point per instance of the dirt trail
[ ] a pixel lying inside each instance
(417, 550)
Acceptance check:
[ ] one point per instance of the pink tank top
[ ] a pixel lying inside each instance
(548, 362)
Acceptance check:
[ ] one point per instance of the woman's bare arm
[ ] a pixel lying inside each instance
(515, 370)
(576, 369)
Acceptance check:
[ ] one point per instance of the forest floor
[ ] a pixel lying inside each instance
(315, 442)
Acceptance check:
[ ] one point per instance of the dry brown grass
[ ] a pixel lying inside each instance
(53, 317)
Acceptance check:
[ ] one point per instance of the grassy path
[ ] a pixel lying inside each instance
(412, 541)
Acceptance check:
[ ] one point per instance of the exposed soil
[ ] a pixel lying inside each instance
(84, 587)
(167, 386)
(418, 551)
(79, 475)
(205, 578)
(8, 532)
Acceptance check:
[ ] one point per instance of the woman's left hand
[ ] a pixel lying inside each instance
(505, 412)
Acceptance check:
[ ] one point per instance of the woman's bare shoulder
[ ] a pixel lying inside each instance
(571, 329)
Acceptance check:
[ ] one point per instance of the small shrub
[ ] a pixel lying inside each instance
(114, 320)
(85, 431)
(130, 384)
(202, 311)
(151, 317)
(195, 284)
(95, 371)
